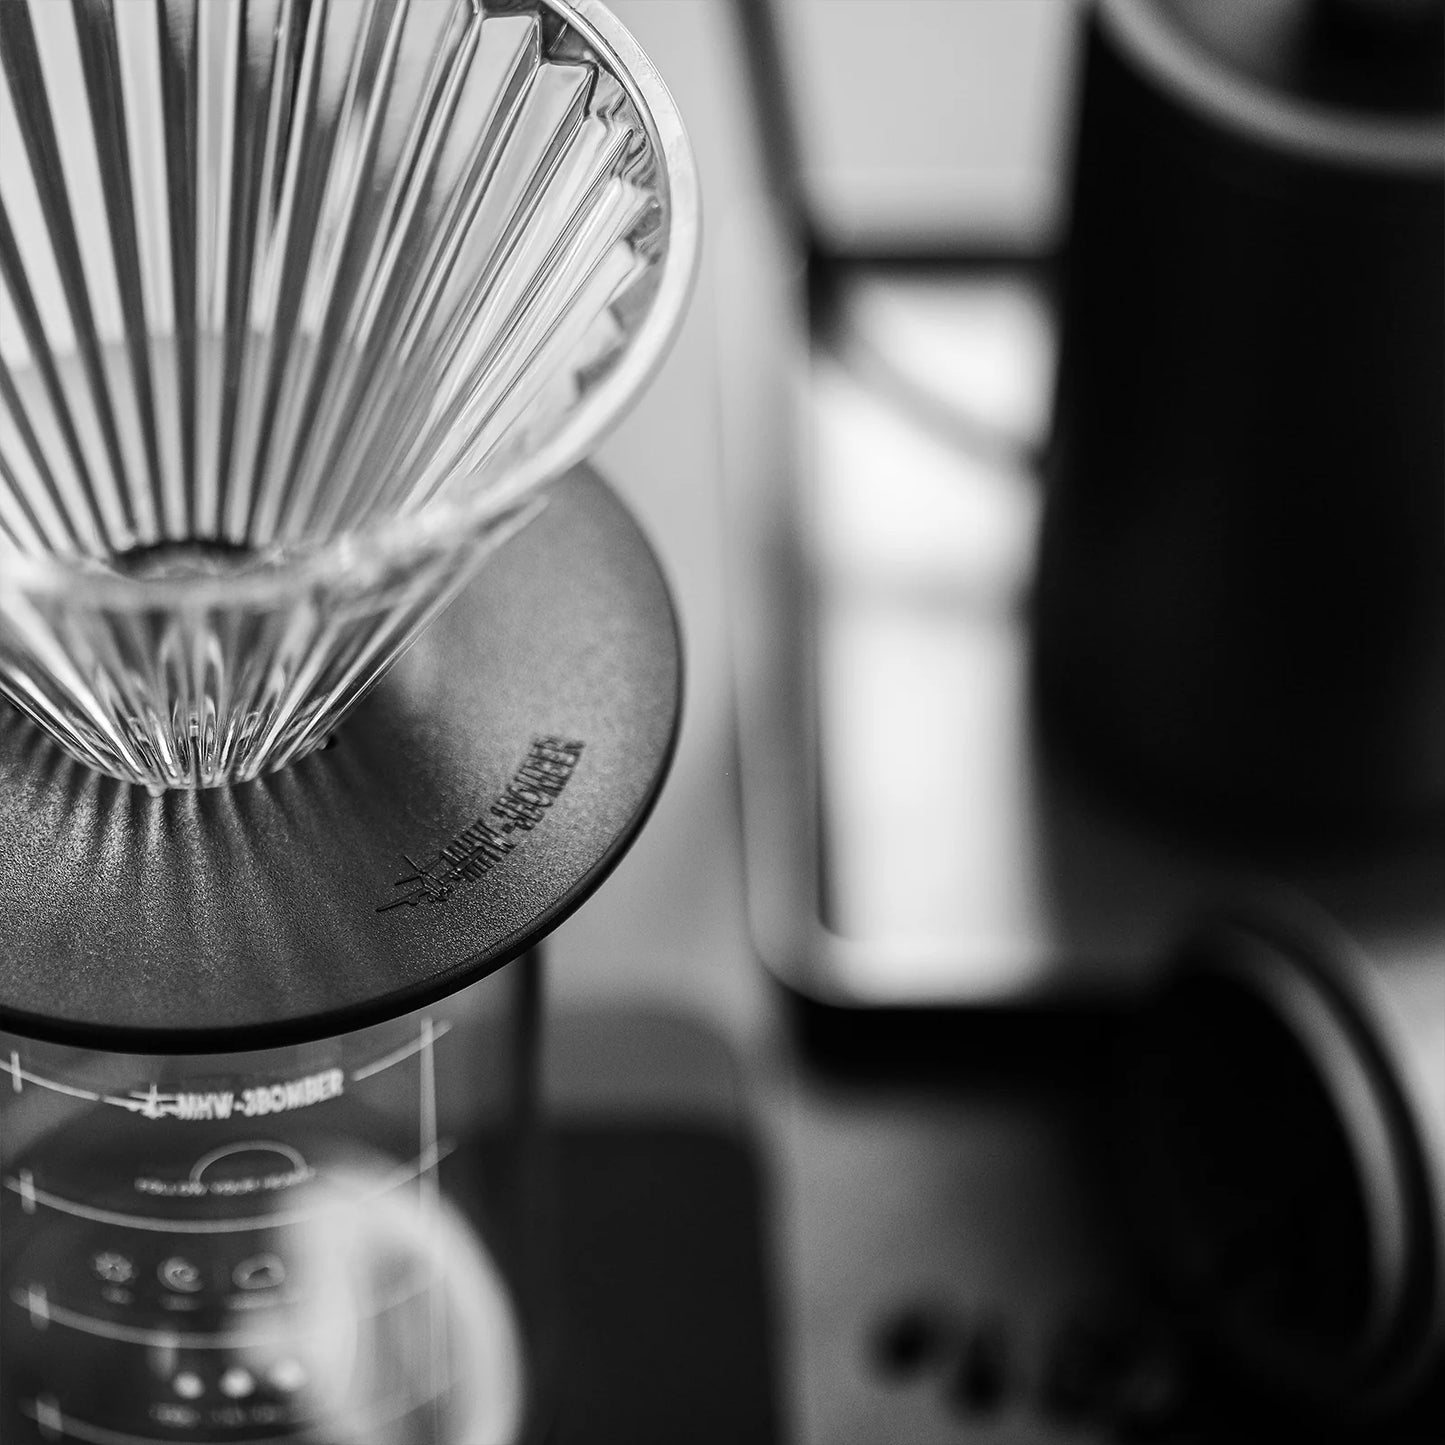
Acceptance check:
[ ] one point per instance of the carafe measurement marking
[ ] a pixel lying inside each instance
(44, 1312)
(429, 1033)
(23, 1184)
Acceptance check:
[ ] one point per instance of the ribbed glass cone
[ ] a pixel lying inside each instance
(300, 300)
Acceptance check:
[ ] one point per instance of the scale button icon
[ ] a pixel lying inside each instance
(112, 1267)
(262, 1271)
(180, 1274)
(237, 1383)
(287, 1375)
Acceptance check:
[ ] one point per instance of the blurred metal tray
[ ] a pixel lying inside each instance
(911, 843)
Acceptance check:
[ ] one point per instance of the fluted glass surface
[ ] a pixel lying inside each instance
(300, 301)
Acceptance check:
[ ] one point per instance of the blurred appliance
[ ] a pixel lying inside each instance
(1285, 1119)
(268, 1135)
(1240, 607)
(1065, 689)
(1239, 624)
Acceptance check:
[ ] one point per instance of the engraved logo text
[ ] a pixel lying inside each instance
(250, 1103)
(478, 848)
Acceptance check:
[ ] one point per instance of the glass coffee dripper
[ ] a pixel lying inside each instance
(305, 307)
(299, 305)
